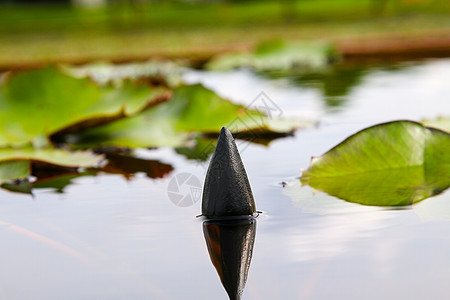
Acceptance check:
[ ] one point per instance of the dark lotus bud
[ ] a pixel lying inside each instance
(226, 191)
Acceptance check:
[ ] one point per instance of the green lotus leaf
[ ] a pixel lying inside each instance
(277, 56)
(17, 164)
(42, 102)
(162, 72)
(14, 170)
(57, 157)
(392, 164)
(192, 109)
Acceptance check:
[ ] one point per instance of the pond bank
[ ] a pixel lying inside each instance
(383, 45)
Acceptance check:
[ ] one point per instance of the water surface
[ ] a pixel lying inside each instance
(108, 237)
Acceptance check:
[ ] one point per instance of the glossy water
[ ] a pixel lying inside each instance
(106, 237)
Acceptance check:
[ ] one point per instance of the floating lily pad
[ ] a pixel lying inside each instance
(392, 164)
(42, 102)
(278, 56)
(58, 157)
(159, 72)
(193, 108)
(18, 164)
(397, 187)
(14, 170)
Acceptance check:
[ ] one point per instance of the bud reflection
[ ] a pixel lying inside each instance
(230, 246)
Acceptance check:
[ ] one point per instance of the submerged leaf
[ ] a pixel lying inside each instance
(392, 164)
(42, 102)
(278, 56)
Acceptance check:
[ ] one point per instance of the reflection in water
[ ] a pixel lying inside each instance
(54, 177)
(19, 186)
(204, 145)
(336, 82)
(128, 165)
(200, 151)
(230, 246)
(58, 178)
(58, 183)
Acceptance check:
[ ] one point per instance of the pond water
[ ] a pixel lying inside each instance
(109, 237)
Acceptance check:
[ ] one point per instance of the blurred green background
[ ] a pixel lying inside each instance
(39, 32)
